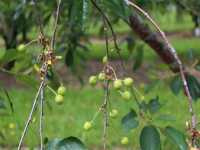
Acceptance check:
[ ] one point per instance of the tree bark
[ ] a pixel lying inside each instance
(154, 41)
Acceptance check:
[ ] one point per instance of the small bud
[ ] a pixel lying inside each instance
(59, 99)
(36, 67)
(21, 47)
(113, 113)
(93, 80)
(126, 95)
(61, 90)
(87, 125)
(102, 76)
(124, 141)
(59, 57)
(12, 126)
(117, 84)
(49, 62)
(105, 60)
(128, 82)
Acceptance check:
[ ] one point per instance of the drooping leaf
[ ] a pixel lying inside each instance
(176, 137)
(154, 105)
(10, 55)
(129, 121)
(194, 86)
(2, 104)
(150, 138)
(70, 143)
(176, 85)
(117, 8)
(69, 59)
(9, 100)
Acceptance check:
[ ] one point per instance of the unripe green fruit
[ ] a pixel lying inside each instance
(102, 76)
(61, 90)
(117, 84)
(113, 113)
(59, 99)
(87, 125)
(21, 47)
(128, 82)
(126, 95)
(93, 80)
(105, 59)
(124, 141)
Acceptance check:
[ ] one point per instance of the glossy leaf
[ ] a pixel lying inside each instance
(176, 137)
(129, 121)
(70, 143)
(176, 85)
(150, 138)
(194, 86)
(51, 145)
(154, 105)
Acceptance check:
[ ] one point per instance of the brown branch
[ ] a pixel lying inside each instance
(55, 26)
(164, 49)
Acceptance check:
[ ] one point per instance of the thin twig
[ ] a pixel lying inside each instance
(30, 115)
(181, 68)
(105, 112)
(41, 117)
(112, 31)
(55, 26)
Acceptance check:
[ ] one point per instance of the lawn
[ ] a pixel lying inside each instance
(80, 105)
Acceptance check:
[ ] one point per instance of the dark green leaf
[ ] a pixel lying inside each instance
(176, 137)
(69, 59)
(51, 145)
(194, 86)
(70, 143)
(154, 105)
(150, 138)
(9, 100)
(176, 85)
(144, 106)
(2, 105)
(129, 121)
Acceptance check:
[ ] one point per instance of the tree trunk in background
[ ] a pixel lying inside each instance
(154, 41)
(196, 31)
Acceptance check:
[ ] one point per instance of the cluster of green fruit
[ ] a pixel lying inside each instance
(59, 99)
(118, 84)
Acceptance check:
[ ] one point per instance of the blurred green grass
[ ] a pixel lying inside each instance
(80, 105)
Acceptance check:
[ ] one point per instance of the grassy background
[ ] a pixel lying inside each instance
(68, 119)
(81, 104)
